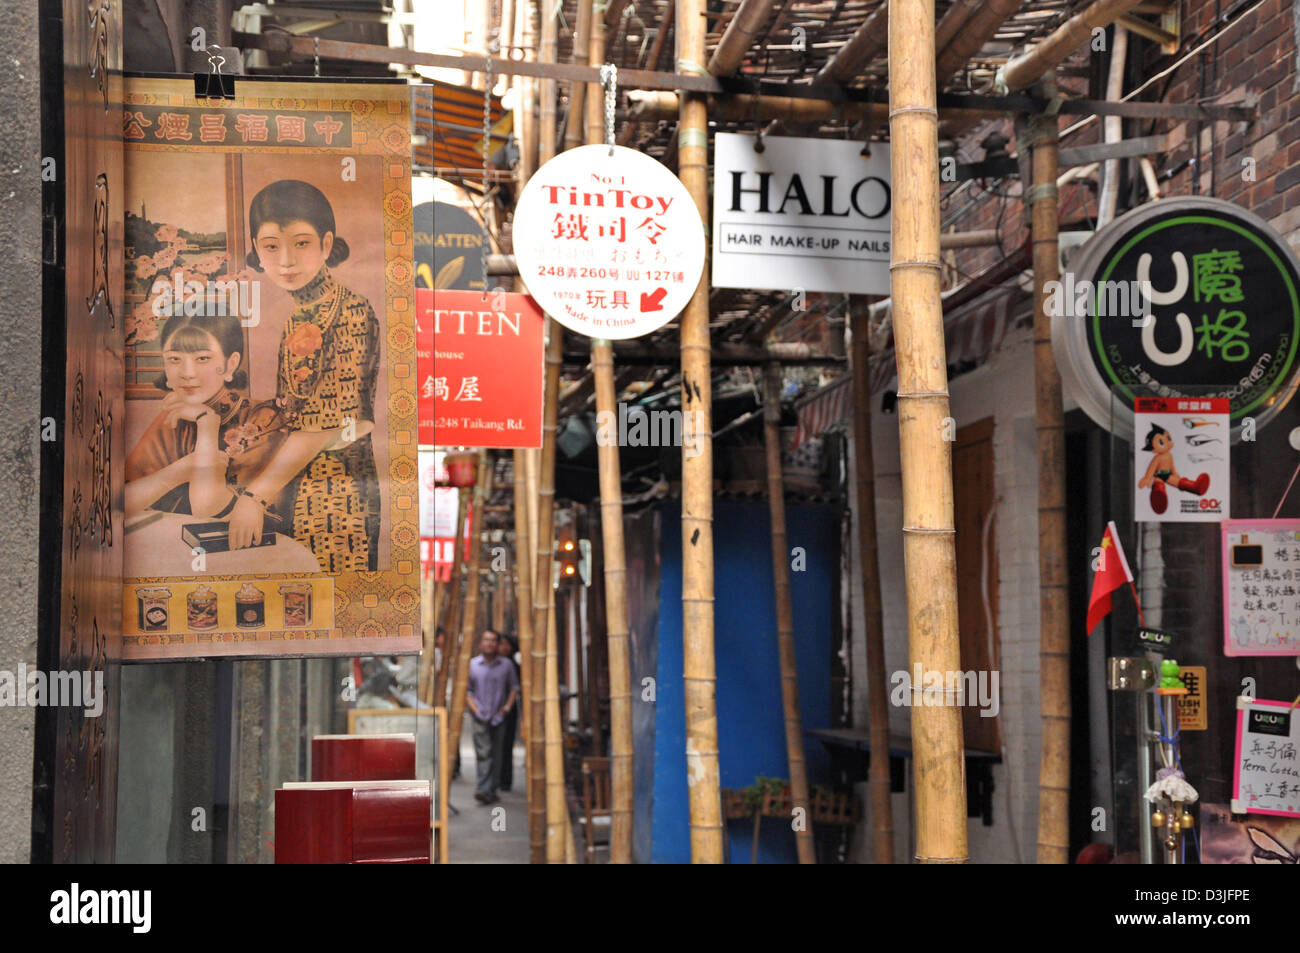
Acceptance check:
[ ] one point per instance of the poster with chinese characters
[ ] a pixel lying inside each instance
(608, 241)
(1266, 768)
(1261, 587)
(1181, 468)
(271, 397)
(480, 365)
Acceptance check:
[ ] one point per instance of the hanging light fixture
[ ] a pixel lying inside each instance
(461, 468)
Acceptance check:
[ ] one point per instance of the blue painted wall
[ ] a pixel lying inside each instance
(751, 732)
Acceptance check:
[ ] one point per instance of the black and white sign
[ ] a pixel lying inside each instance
(812, 214)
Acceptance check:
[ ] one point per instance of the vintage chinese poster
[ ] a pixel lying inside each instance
(271, 497)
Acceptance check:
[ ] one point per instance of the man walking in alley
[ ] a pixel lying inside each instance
(493, 690)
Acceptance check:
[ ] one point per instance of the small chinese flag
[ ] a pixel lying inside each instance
(1112, 572)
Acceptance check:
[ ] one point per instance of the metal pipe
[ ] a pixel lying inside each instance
(1112, 127)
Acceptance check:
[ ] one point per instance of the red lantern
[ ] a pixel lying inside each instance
(461, 468)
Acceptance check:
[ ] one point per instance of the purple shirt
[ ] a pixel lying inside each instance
(490, 684)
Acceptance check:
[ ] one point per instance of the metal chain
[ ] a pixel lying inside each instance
(487, 149)
(316, 54)
(609, 79)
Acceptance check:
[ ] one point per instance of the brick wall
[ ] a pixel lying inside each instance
(1255, 61)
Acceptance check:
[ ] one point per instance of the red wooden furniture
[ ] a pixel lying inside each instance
(363, 757)
(352, 822)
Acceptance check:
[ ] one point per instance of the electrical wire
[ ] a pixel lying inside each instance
(1240, 18)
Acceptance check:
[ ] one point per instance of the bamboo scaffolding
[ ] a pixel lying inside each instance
(450, 648)
(746, 23)
(429, 630)
(469, 621)
(557, 810)
(1040, 59)
(524, 587)
(541, 478)
(574, 124)
(976, 30)
(873, 627)
(543, 590)
(526, 99)
(614, 556)
(1054, 629)
(928, 532)
(794, 744)
(699, 679)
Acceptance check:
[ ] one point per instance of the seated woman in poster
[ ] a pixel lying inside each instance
(208, 439)
(327, 372)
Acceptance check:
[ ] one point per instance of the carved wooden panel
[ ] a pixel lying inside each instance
(85, 788)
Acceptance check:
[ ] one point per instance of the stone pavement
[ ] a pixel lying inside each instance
(476, 834)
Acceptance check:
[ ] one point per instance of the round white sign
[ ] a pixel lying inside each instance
(611, 246)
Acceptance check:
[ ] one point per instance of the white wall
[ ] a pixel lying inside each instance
(1003, 389)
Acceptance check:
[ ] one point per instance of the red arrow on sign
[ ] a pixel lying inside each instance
(654, 300)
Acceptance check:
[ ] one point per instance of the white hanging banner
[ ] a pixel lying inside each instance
(611, 246)
(803, 213)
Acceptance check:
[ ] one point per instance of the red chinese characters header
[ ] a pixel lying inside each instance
(236, 127)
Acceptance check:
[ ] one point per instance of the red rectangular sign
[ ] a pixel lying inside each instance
(480, 363)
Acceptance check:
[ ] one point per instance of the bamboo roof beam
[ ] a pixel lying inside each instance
(748, 22)
(1023, 70)
(648, 105)
(866, 43)
(953, 21)
(977, 30)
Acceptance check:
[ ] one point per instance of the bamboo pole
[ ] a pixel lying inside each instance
(746, 23)
(541, 478)
(574, 127)
(524, 587)
(794, 742)
(928, 533)
(449, 650)
(873, 628)
(469, 620)
(556, 809)
(977, 29)
(953, 21)
(699, 679)
(1054, 629)
(429, 631)
(866, 43)
(613, 552)
(527, 96)
(1040, 59)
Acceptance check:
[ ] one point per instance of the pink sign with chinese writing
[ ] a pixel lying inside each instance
(480, 362)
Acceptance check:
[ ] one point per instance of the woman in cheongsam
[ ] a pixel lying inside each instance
(322, 479)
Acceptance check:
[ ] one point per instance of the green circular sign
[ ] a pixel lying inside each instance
(1184, 297)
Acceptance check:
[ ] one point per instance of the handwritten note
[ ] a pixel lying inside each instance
(1266, 770)
(1261, 587)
